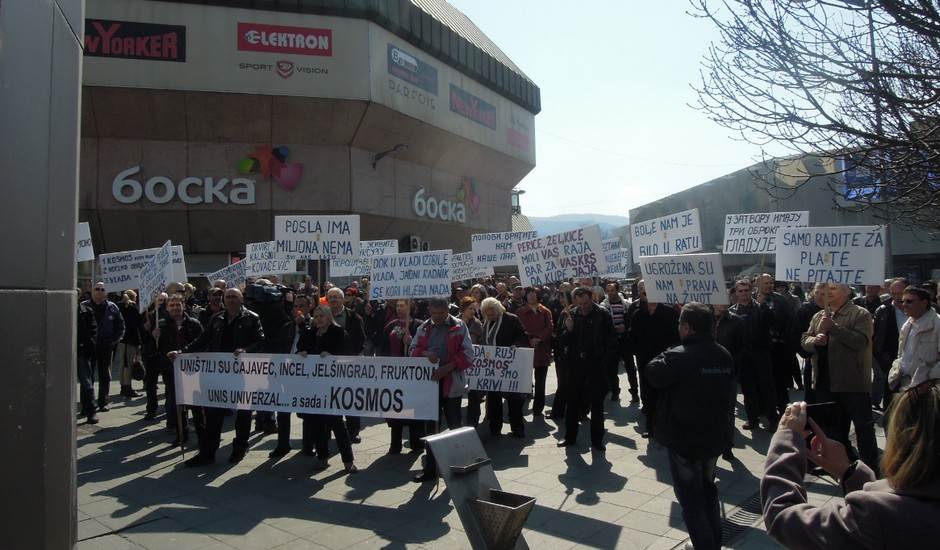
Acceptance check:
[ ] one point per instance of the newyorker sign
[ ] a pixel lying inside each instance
(470, 106)
(132, 40)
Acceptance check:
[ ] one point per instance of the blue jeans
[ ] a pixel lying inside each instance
(86, 385)
(694, 484)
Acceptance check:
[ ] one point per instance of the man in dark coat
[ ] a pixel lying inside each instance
(757, 380)
(888, 320)
(355, 342)
(653, 329)
(591, 342)
(110, 331)
(173, 332)
(86, 338)
(235, 330)
(695, 421)
(288, 341)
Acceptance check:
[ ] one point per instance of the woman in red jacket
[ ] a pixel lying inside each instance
(537, 320)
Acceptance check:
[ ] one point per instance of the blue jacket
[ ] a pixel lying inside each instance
(110, 322)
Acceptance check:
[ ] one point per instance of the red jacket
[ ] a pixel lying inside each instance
(459, 348)
(538, 324)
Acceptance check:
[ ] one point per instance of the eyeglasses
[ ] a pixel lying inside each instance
(99, 290)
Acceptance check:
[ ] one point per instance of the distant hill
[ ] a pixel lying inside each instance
(565, 222)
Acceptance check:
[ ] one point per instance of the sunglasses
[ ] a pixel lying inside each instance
(99, 290)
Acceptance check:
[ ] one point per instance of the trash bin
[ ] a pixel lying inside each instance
(501, 517)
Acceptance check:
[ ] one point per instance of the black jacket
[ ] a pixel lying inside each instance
(86, 331)
(885, 337)
(172, 339)
(110, 323)
(333, 341)
(132, 324)
(695, 414)
(653, 334)
(510, 332)
(285, 336)
(756, 320)
(248, 334)
(730, 335)
(590, 346)
(355, 333)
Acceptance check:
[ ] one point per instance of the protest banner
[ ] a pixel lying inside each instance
(497, 249)
(575, 253)
(683, 278)
(262, 259)
(463, 268)
(120, 270)
(84, 250)
(362, 266)
(677, 233)
(852, 255)
(757, 233)
(154, 276)
(618, 259)
(234, 274)
(410, 275)
(317, 237)
(502, 369)
(377, 387)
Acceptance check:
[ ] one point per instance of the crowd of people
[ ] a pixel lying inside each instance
(683, 366)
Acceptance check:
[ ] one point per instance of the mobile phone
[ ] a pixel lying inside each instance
(827, 415)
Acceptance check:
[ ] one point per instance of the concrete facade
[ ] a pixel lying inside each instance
(197, 116)
(40, 68)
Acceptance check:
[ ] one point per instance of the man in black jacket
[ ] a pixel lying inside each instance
(888, 320)
(652, 330)
(288, 338)
(591, 342)
(235, 330)
(86, 337)
(695, 421)
(803, 318)
(110, 331)
(355, 342)
(757, 380)
(173, 332)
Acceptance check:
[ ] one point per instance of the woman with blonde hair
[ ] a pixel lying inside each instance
(127, 351)
(898, 511)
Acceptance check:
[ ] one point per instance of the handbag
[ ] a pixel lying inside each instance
(460, 384)
(138, 371)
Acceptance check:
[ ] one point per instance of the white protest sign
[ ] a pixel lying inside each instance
(618, 259)
(377, 387)
(502, 369)
(362, 266)
(497, 249)
(463, 268)
(84, 250)
(120, 270)
(410, 275)
(317, 237)
(575, 253)
(757, 233)
(677, 233)
(852, 255)
(234, 275)
(155, 275)
(262, 259)
(683, 278)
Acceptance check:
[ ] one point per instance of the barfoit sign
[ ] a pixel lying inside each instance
(189, 190)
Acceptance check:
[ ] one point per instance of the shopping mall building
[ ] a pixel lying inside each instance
(202, 121)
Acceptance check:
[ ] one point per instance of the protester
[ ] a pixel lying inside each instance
(803, 318)
(328, 338)
(871, 300)
(695, 419)
(174, 332)
(889, 318)
(469, 309)
(729, 334)
(213, 306)
(445, 341)
(653, 328)
(536, 319)
(236, 330)
(898, 511)
(86, 337)
(354, 343)
(127, 351)
(839, 338)
(757, 381)
(501, 328)
(110, 325)
(617, 306)
(919, 343)
(589, 337)
(399, 333)
(784, 340)
(560, 352)
(287, 341)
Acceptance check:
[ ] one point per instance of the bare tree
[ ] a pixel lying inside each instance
(853, 82)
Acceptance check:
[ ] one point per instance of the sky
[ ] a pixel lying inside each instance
(615, 79)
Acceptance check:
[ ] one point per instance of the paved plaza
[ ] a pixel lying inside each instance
(133, 491)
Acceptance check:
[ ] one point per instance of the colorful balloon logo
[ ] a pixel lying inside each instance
(271, 163)
(467, 193)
